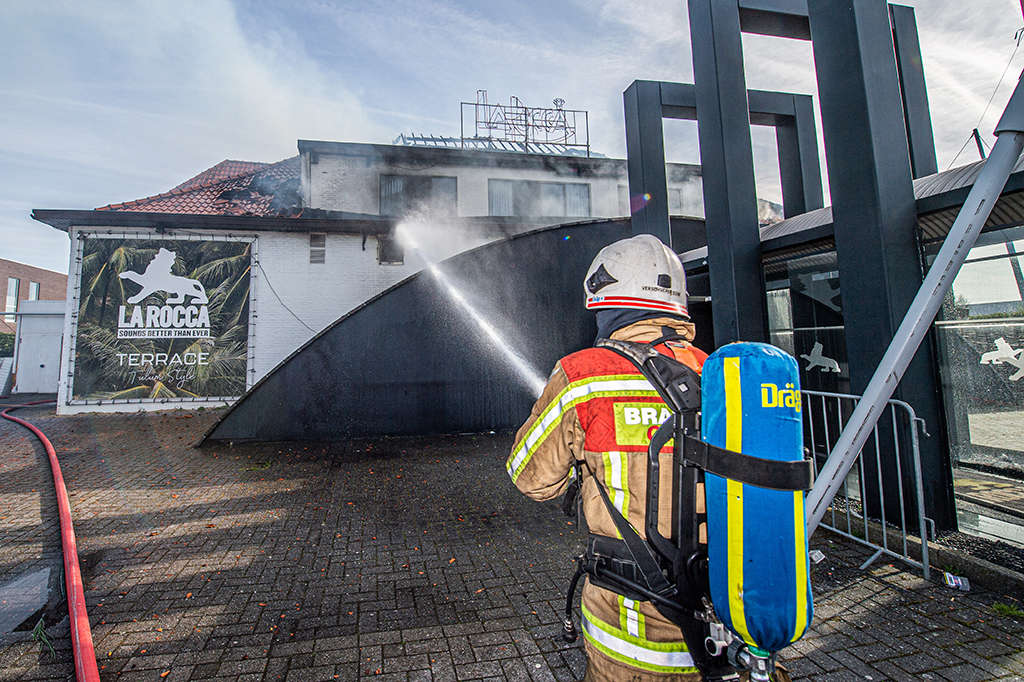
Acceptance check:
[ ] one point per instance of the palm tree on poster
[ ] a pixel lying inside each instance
(103, 260)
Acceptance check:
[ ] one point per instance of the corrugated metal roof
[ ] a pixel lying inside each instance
(934, 224)
(804, 221)
(955, 178)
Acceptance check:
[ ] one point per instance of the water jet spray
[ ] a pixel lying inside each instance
(529, 376)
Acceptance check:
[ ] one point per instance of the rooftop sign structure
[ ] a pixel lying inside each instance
(516, 127)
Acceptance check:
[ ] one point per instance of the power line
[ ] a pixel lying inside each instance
(969, 138)
(267, 280)
(1017, 36)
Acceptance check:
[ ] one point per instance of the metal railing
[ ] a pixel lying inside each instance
(859, 511)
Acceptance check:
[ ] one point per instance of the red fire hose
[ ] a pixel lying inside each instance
(81, 635)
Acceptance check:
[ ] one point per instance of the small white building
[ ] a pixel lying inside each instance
(37, 347)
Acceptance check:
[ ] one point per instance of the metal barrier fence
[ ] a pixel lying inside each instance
(861, 513)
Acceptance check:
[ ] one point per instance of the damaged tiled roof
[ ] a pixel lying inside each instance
(226, 169)
(253, 189)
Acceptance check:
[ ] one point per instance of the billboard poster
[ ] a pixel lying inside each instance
(162, 319)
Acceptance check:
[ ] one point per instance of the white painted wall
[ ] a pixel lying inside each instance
(317, 294)
(293, 298)
(320, 293)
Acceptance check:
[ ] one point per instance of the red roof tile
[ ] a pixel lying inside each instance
(224, 170)
(266, 190)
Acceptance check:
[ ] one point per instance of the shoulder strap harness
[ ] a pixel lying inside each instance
(671, 573)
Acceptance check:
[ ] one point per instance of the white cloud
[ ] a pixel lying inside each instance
(138, 96)
(109, 101)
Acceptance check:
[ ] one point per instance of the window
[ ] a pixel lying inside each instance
(317, 247)
(623, 200)
(12, 298)
(499, 197)
(33, 291)
(980, 334)
(531, 198)
(675, 201)
(389, 251)
(405, 194)
(805, 316)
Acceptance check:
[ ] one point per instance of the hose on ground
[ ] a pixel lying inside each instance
(81, 634)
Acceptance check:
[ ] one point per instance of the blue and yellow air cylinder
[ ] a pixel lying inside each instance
(757, 544)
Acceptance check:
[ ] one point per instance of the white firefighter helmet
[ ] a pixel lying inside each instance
(640, 273)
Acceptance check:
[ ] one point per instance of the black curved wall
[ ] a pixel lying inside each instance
(410, 361)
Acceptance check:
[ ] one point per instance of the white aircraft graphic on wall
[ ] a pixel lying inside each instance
(1004, 352)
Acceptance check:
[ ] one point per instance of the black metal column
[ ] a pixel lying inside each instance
(915, 95)
(799, 168)
(730, 199)
(645, 153)
(874, 210)
(791, 115)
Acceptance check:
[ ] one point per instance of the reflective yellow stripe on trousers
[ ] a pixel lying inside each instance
(662, 657)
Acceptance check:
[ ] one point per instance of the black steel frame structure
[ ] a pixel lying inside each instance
(878, 138)
(792, 116)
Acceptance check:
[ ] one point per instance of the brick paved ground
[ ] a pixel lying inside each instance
(398, 559)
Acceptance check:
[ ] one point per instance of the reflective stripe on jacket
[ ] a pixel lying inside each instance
(598, 408)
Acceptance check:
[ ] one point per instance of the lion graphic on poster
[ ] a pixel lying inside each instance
(158, 277)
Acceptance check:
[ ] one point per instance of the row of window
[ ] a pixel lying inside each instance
(404, 194)
(438, 196)
(13, 289)
(530, 198)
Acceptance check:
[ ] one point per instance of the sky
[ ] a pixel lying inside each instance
(104, 102)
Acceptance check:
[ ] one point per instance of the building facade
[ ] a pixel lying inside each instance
(232, 271)
(396, 180)
(27, 283)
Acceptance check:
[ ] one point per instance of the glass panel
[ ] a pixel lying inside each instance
(980, 338)
(780, 319)
(444, 196)
(12, 298)
(33, 291)
(499, 197)
(623, 200)
(552, 199)
(391, 195)
(675, 201)
(526, 198)
(389, 251)
(577, 200)
(691, 195)
(404, 194)
(805, 318)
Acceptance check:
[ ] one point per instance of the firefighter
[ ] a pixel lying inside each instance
(598, 410)
(595, 410)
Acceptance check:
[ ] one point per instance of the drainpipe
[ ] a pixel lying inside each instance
(17, 347)
(961, 237)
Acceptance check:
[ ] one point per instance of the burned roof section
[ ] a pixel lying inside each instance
(237, 188)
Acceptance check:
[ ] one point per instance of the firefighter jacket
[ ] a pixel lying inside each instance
(598, 408)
